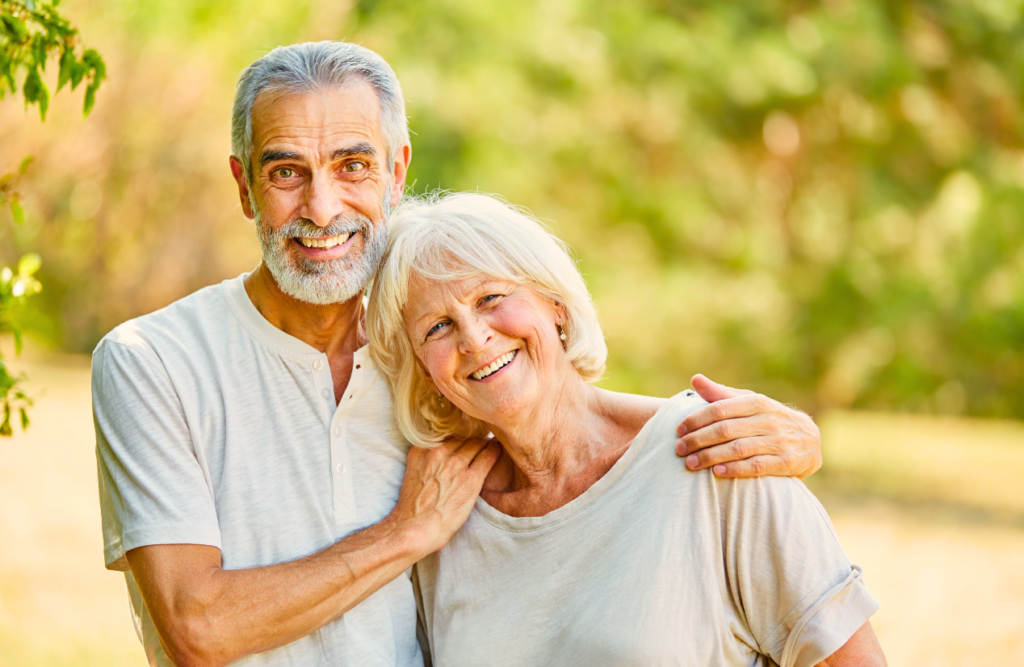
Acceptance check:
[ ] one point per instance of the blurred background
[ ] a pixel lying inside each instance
(816, 200)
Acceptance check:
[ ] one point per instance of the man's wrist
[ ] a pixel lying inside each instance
(411, 537)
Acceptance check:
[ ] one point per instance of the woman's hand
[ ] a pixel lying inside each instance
(743, 434)
(440, 487)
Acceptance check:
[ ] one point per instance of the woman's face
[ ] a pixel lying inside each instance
(490, 346)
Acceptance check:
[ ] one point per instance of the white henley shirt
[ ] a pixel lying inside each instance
(214, 427)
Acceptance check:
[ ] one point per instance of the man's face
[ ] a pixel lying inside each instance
(321, 190)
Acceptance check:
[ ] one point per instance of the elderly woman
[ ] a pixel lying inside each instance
(589, 545)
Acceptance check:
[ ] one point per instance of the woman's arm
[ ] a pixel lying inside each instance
(863, 650)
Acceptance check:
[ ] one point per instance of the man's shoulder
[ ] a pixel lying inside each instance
(181, 324)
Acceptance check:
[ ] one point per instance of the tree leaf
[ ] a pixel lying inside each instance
(78, 71)
(29, 264)
(5, 427)
(24, 418)
(23, 167)
(94, 61)
(90, 98)
(15, 27)
(36, 91)
(18, 339)
(39, 50)
(17, 212)
(67, 67)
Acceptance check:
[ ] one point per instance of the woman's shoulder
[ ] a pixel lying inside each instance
(671, 411)
(641, 411)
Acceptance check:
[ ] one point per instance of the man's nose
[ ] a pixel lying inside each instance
(323, 201)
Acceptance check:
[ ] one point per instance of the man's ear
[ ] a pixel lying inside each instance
(403, 157)
(238, 173)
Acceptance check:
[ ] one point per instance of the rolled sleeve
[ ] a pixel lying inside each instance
(801, 596)
(152, 487)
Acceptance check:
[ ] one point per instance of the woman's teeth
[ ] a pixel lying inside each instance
(325, 243)
(495, 365)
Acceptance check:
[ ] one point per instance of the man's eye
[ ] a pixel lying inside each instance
(285, 172)
(354, 167)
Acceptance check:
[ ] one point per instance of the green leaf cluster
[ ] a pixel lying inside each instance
(31, 33)
(16, 287)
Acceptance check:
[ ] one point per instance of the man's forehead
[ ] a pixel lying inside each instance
(320, 119)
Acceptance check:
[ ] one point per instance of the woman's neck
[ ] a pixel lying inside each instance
(557, 451)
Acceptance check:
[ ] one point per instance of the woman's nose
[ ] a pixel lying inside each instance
(475, 336)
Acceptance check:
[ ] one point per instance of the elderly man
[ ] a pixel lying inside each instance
(254, 488)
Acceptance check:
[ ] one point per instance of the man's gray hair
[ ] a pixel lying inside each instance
(308, 68)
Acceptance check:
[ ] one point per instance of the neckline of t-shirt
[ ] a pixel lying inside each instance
(263, 331)
(524, 524)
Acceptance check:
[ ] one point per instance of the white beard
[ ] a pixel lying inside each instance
(323, 282)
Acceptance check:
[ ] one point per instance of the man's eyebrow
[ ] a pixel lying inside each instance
(358, 149)
(266, 157)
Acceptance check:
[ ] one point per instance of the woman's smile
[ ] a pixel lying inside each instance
(495, 367)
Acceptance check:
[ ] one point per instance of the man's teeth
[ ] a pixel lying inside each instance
(325, 243)
(495, 365)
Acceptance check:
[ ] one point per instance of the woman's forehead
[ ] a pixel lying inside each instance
(457, 287)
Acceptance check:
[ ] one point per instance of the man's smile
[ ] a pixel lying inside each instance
(327, 247)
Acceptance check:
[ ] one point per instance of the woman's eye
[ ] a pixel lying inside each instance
(436, 328)
(490, 298)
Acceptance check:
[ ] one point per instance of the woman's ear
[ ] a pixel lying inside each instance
(561, 313)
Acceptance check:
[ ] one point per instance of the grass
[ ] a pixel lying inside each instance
(931, 509)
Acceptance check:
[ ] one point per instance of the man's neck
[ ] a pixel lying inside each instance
(335, 329)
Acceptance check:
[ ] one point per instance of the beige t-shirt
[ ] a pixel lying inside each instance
(653, 565)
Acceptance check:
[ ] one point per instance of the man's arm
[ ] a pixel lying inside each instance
(743, 434)
(206, 615)
(862, 650)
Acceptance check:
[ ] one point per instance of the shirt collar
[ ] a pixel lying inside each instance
(266, 333)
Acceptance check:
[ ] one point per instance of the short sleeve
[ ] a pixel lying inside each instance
(801, 597)
(152, 488)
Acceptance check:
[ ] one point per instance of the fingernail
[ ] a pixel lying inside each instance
(692, 461)
(719, 470)
(681, 430)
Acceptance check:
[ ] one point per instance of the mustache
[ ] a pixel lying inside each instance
(308, 229)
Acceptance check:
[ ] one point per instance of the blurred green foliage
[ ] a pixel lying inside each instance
(30, 34)
(818, 200)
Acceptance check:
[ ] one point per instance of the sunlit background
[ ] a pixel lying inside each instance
(816, 200)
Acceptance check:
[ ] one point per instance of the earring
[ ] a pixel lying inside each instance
(440, 399)
(561, 334)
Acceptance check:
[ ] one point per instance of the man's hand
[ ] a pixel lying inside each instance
(743, 434)
(441, 486)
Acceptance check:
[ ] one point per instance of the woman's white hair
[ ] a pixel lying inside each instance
(450, 237)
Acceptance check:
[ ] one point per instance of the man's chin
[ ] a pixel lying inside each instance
(318, 289)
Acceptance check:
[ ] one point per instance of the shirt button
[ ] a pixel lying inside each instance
(318, 365)
(326, 393)
(340, 468)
